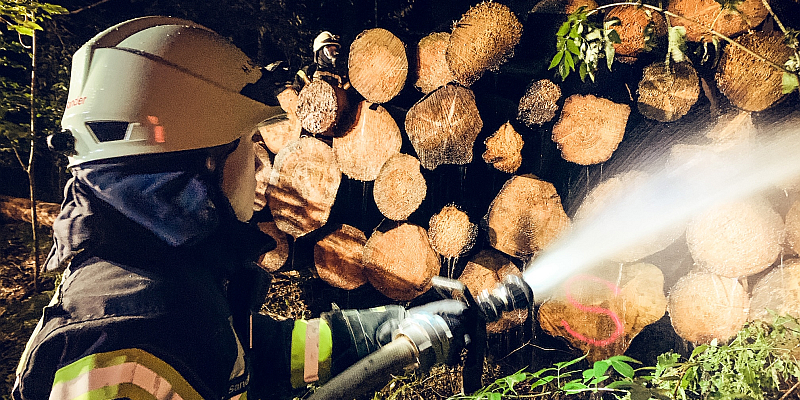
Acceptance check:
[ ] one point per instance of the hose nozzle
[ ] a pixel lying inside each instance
(509, 295)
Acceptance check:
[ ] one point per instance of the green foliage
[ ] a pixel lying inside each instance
(792, 65)
(24, 16)
(761, 362)
(676, 45)
(581, 43)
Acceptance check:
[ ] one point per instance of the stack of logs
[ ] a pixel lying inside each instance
(737, 250)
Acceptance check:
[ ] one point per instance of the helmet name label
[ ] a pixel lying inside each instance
(75, 102)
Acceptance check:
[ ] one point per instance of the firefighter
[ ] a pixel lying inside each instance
(327, 64)
(159, 294)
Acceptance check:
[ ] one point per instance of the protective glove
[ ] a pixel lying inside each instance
(438, 329)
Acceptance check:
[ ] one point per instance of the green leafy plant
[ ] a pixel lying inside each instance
(581, 43)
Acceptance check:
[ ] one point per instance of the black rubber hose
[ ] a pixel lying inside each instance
(369, 373)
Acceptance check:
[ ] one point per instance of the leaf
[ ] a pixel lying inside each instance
(789, 83)
(574, 386)
(609, 50)
(573, 48)
(584, 69)
(600, 368)
(22, 30)
(556, 59)
(562, 31)
(495, 396)
(676, 48)
(564, 364)
(569, 62)
(623, 368)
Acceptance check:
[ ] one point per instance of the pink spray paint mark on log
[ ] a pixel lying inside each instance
(619, 327)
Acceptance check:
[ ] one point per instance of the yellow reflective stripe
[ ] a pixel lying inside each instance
(310, 355)
(298, 353)
(104, 371)
(303, 76)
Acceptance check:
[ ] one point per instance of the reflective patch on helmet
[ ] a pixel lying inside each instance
(108, 131)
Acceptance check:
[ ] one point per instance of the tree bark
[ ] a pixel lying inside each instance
(400, 187)
(303, 186)
(400, 262)
(18, 209)
(443, 126)
(378, 65)
(483, 39)
(362, 149)
(338, 258)
(590, 129)
(525, 217)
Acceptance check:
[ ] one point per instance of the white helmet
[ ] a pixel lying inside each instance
(323, 39)
(156, 85)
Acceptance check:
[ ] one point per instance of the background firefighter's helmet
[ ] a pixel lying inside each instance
(156, 85)
(320, 42)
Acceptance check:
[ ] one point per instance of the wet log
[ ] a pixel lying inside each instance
(431, 68)
(263, 172)
(338, 258)
(613, 190)
(750, 83)
(704, 306)
(19, 209)
(504, 149)
(638, 30)
(372, 139)
(443, 125)
(731, 130)
(303, 186)
(778, 292)
(590, 129)
(451, 233)
(483, 272)
(320, 107)
(792, 224)
(276, 258)
(278, 132)
(702, 15)
(538, 104)
(736, 239)
(483, 39)
(600, 312)
(525, 217)
(667, 93)
(400, 187)
(400, 262)
(378, 65)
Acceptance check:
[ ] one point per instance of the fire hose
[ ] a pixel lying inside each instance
(422, 341)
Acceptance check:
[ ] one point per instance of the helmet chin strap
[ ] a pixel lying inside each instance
(239, 178)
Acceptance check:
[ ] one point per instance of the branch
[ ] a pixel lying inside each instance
(88, 7)
(709, 30)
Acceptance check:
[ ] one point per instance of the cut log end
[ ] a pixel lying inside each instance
(590, 129)
(338, 258)
(400, 187)
(431, 68)
(538, 105)
(667, 93)
(373, 138)
(504, 149)
(378, 65)
(274, 259)
(451, 233)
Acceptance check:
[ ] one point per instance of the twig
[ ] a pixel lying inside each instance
(785, 395)
(88, 7)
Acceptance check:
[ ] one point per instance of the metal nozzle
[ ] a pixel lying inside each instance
(509, 295)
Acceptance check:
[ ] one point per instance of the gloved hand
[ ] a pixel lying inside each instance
(438, 329)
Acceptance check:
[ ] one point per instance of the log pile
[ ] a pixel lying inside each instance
(17, 209)
(414, 166)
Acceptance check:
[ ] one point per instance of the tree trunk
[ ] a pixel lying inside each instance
(321, 106)
(399, 188)
(277, 132)
(736, 239)
(538, 104)
(303, 186)
(483, 39)
(18, 209)
(777, 292)
(702, 15)
(431, 67)
(443, 126)
(378, 65)
(451, 233)
(749, 83)
(504, 149)
(30, 170)
(338, 258)
(704, 306)
(602, 311)
(400, 262)
(525, 217)
(590, 129)
(362, 150)
(667, 93)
